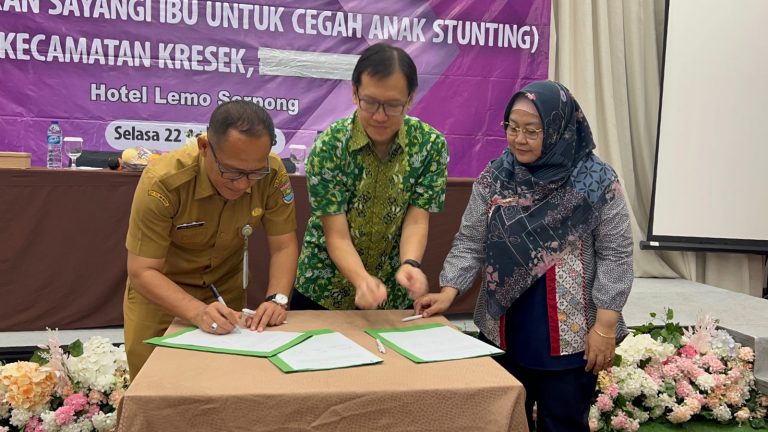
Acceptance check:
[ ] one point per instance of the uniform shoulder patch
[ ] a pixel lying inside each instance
(160, 197)
(287, 191)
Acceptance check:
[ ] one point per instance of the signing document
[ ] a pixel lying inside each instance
(433, 343)
(242, 341)
(326, 349)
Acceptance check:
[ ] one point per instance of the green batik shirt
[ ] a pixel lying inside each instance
(345, 176)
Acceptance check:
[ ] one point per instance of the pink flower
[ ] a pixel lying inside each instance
(620, 421)
(115, 396)
(654, 372)
(733, 395)
(734, 375)
(92, 411)
(688, 351)
(64, 415)
(604, 403)
(693, 405)
(713, 363)
(762, 400)
(78, 401)
(670, 370)
(746, 354)
(34, 425)
(698, 397)
(742, 415)
(96, 397)
(679, 414)
(613, 390)
(683, 388)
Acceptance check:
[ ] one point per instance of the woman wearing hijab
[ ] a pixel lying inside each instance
(548, 226)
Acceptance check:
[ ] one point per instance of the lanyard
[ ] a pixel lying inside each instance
(246, 231)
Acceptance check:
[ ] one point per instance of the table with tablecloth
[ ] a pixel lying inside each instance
(192, 390)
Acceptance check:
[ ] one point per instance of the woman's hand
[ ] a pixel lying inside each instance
(436, 303)
(600, 350)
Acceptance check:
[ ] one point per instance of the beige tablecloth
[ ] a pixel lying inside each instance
(189, 390)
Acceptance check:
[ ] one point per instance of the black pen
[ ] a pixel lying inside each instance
(216, 294)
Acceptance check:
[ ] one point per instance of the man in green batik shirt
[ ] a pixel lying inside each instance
(373, 178)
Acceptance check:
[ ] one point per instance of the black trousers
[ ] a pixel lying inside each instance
(301, 302)
(562, 397)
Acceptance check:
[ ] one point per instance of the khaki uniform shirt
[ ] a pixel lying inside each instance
(178, 215)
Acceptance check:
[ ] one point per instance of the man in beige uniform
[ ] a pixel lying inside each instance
(186, 231)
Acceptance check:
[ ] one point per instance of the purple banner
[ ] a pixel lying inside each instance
(121, 73)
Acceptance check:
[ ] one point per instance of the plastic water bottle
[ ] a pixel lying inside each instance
(54, 145)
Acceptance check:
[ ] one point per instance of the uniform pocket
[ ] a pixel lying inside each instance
(190, 236)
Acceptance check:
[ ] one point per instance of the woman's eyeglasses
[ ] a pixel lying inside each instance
(513, 131)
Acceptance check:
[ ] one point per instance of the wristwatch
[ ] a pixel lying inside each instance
(412, 262)
(278, 299)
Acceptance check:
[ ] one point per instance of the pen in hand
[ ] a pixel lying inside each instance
(216, 294)
(220, 299)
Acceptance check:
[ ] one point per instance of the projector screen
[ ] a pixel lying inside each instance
(710, 188)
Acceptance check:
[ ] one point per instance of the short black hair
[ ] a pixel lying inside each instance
(380, 60)
(242, 116)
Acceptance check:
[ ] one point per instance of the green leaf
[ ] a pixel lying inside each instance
(617, 360)
(758, 423)
(653, 314)
(38, 358)
(670, 314)
(76, 348)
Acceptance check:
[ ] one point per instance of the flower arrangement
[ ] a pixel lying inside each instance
(54, 391)
(669, 374)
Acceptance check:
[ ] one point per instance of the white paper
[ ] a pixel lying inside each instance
(244, 340)
(327, 351)
(440, 343)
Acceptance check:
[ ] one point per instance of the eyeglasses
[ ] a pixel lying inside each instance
(371, 106)
(237, 174)
(513, 131)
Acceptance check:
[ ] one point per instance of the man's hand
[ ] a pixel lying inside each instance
(436, 303)
(267, 314)
(413, 280)
(216, 318)
(370, 293)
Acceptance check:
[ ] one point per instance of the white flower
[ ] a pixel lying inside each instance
(722, 344)
(705, 382)
(19, 417)
(722, 413)
(49, 421)
(633, 382)
(97, 366)
(104, 422)
(637, 348)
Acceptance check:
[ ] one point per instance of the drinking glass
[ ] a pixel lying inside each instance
(298, 152)
(73, 146)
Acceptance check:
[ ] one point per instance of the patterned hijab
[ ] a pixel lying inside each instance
(540, 210)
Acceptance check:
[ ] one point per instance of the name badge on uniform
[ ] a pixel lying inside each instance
(189, 225)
